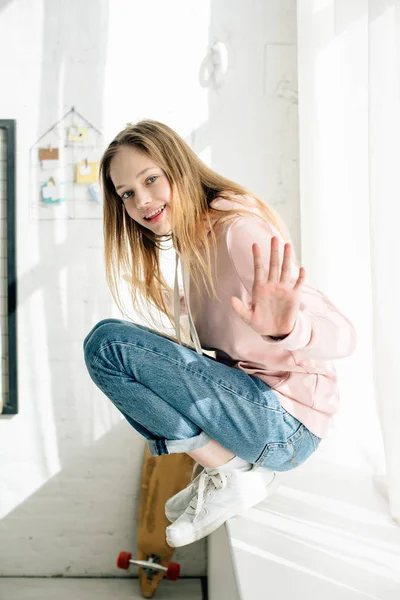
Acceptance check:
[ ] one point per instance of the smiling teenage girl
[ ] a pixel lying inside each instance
(266, 400)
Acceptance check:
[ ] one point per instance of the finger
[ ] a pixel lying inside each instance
(273, 273)
(238, 306)
(259, 271)
(301, 278)
(286, 270)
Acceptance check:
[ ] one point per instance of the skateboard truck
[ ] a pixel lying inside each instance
(151, 566)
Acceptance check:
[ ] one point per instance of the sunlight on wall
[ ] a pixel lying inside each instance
(334, 191)
(28, 443)
(63, 291)
(206, 156)
(152, 69)
(384, 97)
(35, 426)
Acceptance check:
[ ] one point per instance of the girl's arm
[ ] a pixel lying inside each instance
(320, 330)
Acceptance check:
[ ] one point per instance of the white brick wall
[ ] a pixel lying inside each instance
(70, 466)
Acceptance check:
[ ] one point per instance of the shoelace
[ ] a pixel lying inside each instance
(211, 479)
(194, 481)
(196, 464)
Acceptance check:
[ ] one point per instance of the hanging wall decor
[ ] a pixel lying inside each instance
(64, 165)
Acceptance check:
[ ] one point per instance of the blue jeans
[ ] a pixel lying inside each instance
(179, 400)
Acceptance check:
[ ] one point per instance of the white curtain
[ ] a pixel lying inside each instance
(349, 120)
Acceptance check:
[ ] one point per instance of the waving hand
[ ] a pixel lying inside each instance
(275, 301)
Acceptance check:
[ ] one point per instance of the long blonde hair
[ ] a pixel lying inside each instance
(130, 248)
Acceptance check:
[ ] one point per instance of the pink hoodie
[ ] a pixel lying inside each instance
(299, 368)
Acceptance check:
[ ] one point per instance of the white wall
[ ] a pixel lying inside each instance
(70, 465)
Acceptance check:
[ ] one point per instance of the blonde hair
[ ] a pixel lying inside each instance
(130, 248)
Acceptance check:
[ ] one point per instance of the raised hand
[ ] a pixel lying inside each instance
(275, 301)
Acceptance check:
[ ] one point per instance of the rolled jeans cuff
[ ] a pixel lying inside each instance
(159, 447)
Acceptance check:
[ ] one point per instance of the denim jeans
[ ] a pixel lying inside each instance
(179, 399)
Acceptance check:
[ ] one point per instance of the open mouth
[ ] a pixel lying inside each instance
(156, 214)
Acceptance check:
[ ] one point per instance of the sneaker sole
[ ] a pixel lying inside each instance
(178, 541)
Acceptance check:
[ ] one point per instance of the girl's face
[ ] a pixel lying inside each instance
(143, 188)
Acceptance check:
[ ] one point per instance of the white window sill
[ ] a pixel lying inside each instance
(326, 533)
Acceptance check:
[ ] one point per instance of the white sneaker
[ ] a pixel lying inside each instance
(176, 505)
(220, 495)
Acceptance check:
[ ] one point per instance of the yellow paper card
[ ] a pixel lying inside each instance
(86, 172)
(77, 134)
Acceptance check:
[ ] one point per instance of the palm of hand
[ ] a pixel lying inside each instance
(275, 301)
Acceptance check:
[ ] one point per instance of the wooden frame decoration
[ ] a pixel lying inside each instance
(8, 291)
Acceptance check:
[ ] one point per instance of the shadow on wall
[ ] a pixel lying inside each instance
(73, 64)
(3, 3)
(253, 123)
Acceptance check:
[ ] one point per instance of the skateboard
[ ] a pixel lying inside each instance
(162, 477)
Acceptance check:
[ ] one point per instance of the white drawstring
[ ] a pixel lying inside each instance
(177, 311)
(186, 290)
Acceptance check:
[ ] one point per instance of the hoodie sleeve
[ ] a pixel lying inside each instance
(320, 330)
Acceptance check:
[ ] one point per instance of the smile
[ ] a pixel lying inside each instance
(154, 214)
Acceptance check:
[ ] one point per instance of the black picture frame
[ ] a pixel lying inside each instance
(9, 127)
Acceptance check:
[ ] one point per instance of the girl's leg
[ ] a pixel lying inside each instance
(138, 404)
(185, 399)
(211, 455)
(139, 428)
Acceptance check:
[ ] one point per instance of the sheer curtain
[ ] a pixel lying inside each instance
(349, 120)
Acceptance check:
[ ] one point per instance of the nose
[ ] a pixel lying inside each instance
(142, 199)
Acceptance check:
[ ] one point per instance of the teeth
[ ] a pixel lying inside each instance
(155, 212)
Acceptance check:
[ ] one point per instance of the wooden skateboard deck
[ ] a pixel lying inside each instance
(162, 477)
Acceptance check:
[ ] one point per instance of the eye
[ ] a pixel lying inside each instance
(124, 195)
(150, 180)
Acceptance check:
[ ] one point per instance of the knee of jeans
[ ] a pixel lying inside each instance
(290, 454)
(95, 338)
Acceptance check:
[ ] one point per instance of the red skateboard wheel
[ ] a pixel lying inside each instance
(123, 560)
(173, 571)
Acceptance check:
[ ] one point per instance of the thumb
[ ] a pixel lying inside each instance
(239, 307)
